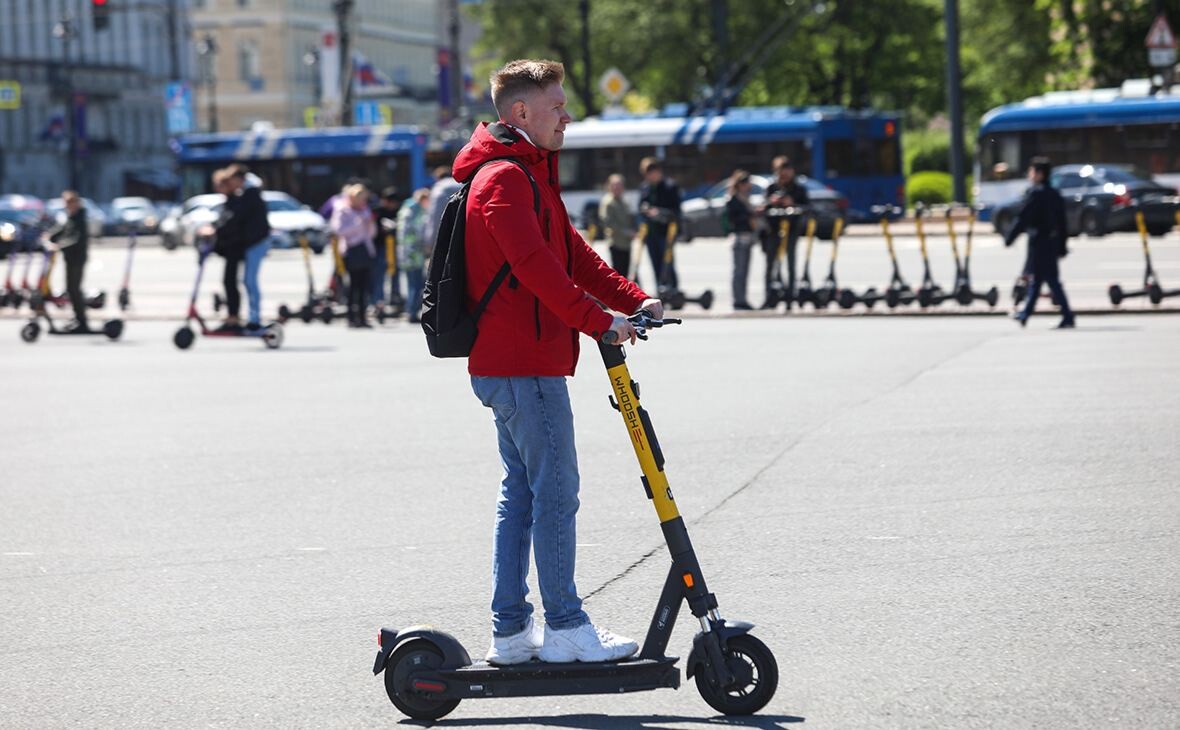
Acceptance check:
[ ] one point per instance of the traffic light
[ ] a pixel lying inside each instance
(100, 10)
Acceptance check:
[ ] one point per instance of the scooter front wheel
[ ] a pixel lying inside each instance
(756, 673)
(184, 338)
(30, 332)
(407, 660)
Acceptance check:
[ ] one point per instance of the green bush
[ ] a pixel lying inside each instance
(930, 187)
(930, 149)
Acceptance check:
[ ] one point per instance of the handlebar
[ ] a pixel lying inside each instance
(882, 211)
(642, 321)
(787, 210)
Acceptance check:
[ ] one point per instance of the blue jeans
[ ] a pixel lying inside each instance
(377, 277)
(254, 256)
(538, 500)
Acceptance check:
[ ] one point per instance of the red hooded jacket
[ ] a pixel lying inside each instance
(531, 324)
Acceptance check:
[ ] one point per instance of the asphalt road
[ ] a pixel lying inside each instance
(162, 281)
(934, 522)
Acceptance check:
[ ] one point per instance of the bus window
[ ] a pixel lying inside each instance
(862, 156)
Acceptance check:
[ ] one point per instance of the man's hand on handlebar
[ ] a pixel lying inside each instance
(654, 307)
(621, 330)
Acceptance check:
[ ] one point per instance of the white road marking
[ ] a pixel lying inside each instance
(16, 554)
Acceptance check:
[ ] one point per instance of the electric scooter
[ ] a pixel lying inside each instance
(271, 334)
(1152, 289)
(804, 294)
(929, 293)
(112, 329)
(963, 293)
(777, 291)
(898, 292)
(43, 294)
(669, 294)
(428, 672)
(396, 305)
(316, 306)
(830, 290)
(125, 290)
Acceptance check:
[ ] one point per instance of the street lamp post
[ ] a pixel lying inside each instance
(207, 50)
(65, 32)
(311, 59)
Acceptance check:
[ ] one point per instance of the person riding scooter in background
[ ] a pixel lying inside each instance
(784, 192)
(243, 234)
(353, 224)
(72, 238)
(414, 248)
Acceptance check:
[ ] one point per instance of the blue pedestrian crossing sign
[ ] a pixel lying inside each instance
(9, 95)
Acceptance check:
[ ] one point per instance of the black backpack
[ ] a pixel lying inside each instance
(450, 329)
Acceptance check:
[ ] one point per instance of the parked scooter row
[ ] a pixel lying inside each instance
(1152, 289)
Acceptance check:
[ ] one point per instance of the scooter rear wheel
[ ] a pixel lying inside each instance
(30, 332)
(184, 338)
(273, 336)
(113, 328)
(409, 658)
(757, 678)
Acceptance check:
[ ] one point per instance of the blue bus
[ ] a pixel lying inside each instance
(310, 164)
(1123, 126)
(855, 152)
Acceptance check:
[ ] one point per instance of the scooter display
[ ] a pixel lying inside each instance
(671, 295)
(1152, 289)
(111, 329)
(962, 291)
(829, 291)
(395, 306)
(777, 291)
(428, 672)
(317, 305)
(804, 294)
(929, 293)
(271, 334)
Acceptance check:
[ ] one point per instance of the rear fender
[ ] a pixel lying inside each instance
(454, 655)
(723, 631)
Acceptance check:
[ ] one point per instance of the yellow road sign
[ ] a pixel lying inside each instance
(9, 95)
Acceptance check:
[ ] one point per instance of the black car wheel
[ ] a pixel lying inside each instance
(1092, 224)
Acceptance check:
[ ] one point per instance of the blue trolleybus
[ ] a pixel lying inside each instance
(310, 164)
(1101, 126)
(855, 152)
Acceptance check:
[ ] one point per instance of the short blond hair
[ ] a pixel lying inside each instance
(521, 77)
(68, 195)
(356, 190)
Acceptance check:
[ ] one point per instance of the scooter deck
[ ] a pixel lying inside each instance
(543, 678)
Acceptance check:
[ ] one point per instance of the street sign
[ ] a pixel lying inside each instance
(9, 95)
(613, 85)
(1161, 43)
(372, 114)
(178, 106)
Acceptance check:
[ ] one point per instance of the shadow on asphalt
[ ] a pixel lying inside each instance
(635, 722)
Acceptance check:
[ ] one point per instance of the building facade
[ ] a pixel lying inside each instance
(102, 87)
(264, 57)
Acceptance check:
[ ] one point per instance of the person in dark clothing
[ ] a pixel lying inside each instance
(386, 215)
(72, 238)
(784, 192)
(243, 233)
(1043, 217)
(659, 206)
(739, 225)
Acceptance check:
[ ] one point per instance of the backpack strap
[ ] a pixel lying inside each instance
(502, 274)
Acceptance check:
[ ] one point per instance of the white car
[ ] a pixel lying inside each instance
(287, 217)
(134, 214)
(289, 220)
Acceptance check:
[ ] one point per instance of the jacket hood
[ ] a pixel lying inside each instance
(490, 141)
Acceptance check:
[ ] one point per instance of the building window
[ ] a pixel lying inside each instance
(249, 62)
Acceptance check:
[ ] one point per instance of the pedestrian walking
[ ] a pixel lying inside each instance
(385, 215)
(414, 249)
(784, 193)
(618, 222)
(1043, 217)
(353, 224)
(526, 348)
(659, 207)
(72, 238)
(738, 223)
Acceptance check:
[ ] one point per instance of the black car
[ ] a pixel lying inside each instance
(702, 216)
(1100, 199)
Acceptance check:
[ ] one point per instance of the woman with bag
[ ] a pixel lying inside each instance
(353, 224)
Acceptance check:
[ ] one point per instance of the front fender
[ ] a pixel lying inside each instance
(454, 655)
(723, 631)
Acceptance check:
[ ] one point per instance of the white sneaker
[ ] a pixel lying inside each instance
(586, 643)
(518, 648)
